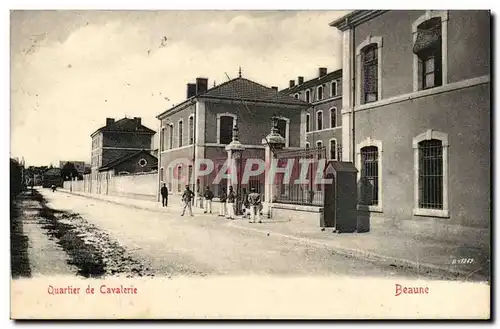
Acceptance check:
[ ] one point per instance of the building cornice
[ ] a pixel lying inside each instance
(177, 108)
(355, 18)
(254, 102)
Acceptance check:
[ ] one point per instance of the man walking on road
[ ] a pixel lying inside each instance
(164, 195)
(222, 203)
(187, 196)
(231, 198)
(209, 195)
(254, 200)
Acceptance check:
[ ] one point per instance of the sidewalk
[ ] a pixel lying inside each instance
(383, 245)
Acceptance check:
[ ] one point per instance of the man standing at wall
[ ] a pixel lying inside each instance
(209, 195)
(254, 200)
(164, 195)
(187, 196)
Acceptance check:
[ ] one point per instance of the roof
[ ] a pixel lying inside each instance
(126, 125)
(313, 82)
(122, 159)
(246, 90)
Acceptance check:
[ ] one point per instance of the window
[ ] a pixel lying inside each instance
(282, 128)
(296, 95)
(170, 178)
(333, 89)
(319, 120)
(226, 129)
(180, 132)
(333, 149)
(319, 95)
(308, 122)
(431, 171)
(162, 178)
(170, 136)
(430, 174)
(369, 181)
(319, 144)
(143, 162)
(427, 47)
(191, 129)
(162, 139)
(370, 74)
(308, 96)
(308, 145)
(179, 179)
(190, 174)
(333, 117)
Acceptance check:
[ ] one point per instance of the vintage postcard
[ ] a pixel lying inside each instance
(250, 164)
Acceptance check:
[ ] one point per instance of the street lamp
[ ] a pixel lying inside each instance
(234, 152)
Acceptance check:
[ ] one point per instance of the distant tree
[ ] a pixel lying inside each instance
(69, 171)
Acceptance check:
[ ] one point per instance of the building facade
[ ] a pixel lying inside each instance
(118, 139)
(202, 126)
(323, 118)
(416, 118)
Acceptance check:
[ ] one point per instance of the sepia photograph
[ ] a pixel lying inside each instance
(250, 164)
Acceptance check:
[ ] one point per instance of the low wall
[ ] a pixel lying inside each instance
(137, 186)
(283, 211)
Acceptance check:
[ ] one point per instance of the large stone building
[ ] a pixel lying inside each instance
(202, 126)
(118, 139)
(323, 118)
(416, 118)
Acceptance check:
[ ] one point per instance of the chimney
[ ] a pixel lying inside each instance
(109, 122)
(191, 90)
(322, 71)
(301, 80)
(274, 88)
(137, 121)
(292, 83)
(201, 85)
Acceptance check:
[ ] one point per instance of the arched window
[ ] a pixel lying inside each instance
(333, 117)
(308, 96)
(319, 94)
(308, 145)
(296, 95)
(430, 50)
(319, 145)
(170, 136)
(369, 176)
(431, 174)
(191, 129)
(180, 132)
(308, 122)
(333, 89)
(370, 72)
(162, 139)
(369, 164)
(333, 149)
(427, 47)
(319, 120)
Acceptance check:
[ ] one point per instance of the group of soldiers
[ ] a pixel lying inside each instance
(251, 203)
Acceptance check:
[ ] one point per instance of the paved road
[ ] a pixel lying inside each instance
(168, 244)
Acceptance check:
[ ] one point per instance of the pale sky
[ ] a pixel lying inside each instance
(72, 69)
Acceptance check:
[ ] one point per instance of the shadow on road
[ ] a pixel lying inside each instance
(19, 262)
